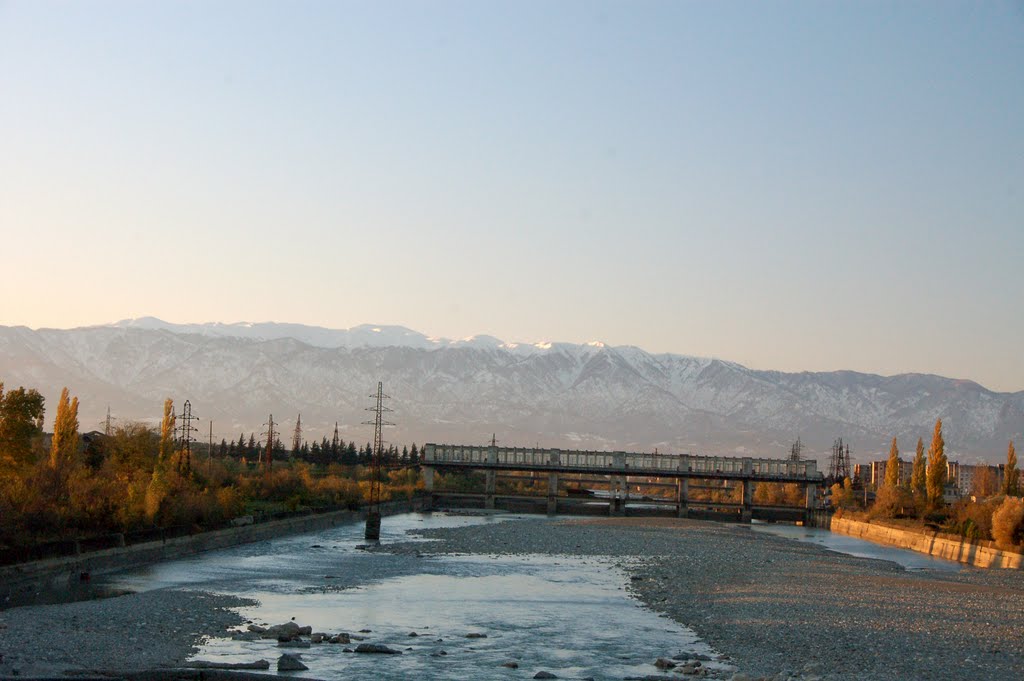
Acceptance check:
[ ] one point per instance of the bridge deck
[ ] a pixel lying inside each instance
(620, 463)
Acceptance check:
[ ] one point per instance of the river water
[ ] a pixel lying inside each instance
(911, 560)
(570, 616)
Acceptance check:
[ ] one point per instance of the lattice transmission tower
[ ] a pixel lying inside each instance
(185, 439)
(268, 451)
(373, 512)
(839, 464)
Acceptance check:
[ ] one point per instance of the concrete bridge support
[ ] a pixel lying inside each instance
(812, 497)
(682, 496)
(428, 478)
(552, 493)
(489, 488)
(748, 500)
(618, 492)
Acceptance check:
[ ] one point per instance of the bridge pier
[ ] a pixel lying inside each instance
(617, 495)
(682, 496)
(746, 515)
(811, 496)
(552, 493)
(428, 478)
(489, 486)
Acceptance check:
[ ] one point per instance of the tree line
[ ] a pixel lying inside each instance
(922, 497)
(136, 477)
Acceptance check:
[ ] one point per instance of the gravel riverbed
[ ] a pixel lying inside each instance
(776, 607)
(141, 631)
(781, 608)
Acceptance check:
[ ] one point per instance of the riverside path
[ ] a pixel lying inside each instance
(697, 485)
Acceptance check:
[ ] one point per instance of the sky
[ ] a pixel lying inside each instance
(788, 185)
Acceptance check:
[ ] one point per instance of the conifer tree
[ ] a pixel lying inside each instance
(167, 431)
(892, 466)
(1011, 476)
(65, 433)
(917, 478)
(936, 473)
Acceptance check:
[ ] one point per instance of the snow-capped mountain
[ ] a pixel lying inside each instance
(555, 394)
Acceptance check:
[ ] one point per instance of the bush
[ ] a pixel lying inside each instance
(1008, 523)
(892, 502)
(972, 520)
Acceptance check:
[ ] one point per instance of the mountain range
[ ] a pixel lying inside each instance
(553, 394)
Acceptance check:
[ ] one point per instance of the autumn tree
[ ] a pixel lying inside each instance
(936, 472)
(167, 426)
(892, 466)
(1011, 477)
(21, 421)
(918, 479)
(65, 433)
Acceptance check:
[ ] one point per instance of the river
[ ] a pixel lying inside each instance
(567, 615)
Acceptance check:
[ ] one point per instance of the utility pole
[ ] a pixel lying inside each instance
(210, 462)
(186, 439)
(336, 442)
(373, 512)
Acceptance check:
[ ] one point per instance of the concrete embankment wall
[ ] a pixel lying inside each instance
(54, 571)
(977, 553)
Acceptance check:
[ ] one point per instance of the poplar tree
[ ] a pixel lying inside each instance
(892, 466)
(167, 431)
(65, 433)
(918, 480)
(1010, 478)
(936, 473)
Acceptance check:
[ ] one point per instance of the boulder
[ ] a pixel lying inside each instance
(662, 663)
(340, 638)
(290, 663)
(305, 631)
(511, 664)
(295, 643)
(258, 664)
(476, 635)
(544, 675)
(378, 648)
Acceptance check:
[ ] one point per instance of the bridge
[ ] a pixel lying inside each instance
(729, 481)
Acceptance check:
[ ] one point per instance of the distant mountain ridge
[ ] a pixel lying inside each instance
(552, 394)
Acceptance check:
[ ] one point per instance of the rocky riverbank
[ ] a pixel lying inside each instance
(784, 609)
(143, 631)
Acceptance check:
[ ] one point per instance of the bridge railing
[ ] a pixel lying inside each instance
(619, 461)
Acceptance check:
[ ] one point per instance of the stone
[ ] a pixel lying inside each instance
(245, 636)
(662, 663)
(258, 664)
(294, 643)
(340, 638)
(256, 628)
(476, 635)
(317, 638)
(544, 675)
(377, 648)
(413, 634)
(511, 664)
(305, 631)
(290, 663)
(288, 629)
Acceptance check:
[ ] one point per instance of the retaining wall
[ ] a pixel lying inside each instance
(977, 553)
(42, 574)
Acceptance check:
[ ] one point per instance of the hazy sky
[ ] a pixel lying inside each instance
(790, 185)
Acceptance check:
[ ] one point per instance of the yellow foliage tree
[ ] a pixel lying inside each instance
(918, 479)
(1011, 476)
(65, 433)
(892, 466)
(936, 473)
(167, 431)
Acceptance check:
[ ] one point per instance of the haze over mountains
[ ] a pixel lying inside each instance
(552, 394)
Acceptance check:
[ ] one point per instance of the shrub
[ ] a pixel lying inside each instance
(1008, 523)
(892, 502)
